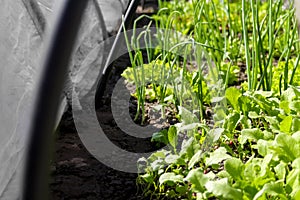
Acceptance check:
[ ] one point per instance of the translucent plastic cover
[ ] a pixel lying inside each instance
(22, 36)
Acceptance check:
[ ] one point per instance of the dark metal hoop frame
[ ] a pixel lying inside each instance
(35, 184)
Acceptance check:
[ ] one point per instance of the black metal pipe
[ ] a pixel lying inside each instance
(63, 37)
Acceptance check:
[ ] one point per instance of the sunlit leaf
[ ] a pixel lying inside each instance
(286, 124)
(233, 94)
(234, 167)
(170, 177)
(197, 179)
(273, 189)
(250, 134)
(172, 136)
(221, 188)
(217, 156)
(196, 158)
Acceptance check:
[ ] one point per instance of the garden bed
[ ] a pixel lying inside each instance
(247, 147)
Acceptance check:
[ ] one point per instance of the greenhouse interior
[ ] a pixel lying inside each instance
(150, 99)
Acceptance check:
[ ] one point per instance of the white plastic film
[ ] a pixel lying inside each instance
(20, 58)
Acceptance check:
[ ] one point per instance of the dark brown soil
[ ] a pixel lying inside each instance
(76, 174)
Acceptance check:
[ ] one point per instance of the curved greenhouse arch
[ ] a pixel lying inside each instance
(23, 25)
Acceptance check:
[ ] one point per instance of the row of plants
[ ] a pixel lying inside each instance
(228, 72)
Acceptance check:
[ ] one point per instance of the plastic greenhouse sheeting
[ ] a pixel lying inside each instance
(23, 27)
